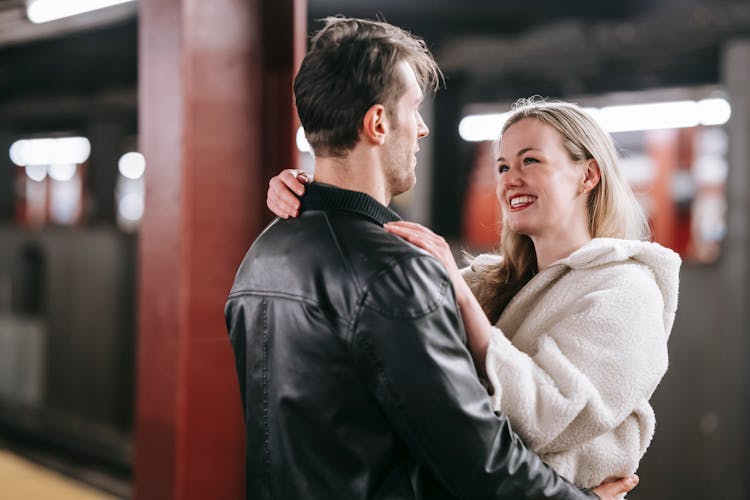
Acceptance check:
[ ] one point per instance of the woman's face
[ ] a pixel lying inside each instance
(540, 188)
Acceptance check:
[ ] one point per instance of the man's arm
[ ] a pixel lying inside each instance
(408, 340)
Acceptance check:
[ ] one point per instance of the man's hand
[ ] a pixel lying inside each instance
(612, 489)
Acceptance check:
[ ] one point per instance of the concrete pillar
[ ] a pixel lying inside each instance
(735, 267)
(702, 411)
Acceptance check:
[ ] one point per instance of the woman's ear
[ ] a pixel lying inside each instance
(375, 124)
(591, 176)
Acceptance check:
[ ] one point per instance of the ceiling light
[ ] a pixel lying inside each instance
(132, 165)
(654, 116)
(64, 150)
(714, 111)
(41, 11)
(485, 127)
(633, 117)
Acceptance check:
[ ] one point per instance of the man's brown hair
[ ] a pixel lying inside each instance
(352, 65)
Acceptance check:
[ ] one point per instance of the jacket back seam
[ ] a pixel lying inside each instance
(266, 427)
(351, 333)
(344, 259)
(393, 395)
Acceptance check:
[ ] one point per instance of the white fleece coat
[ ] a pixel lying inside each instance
(578, 352)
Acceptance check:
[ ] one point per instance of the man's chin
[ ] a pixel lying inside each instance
(404, 186)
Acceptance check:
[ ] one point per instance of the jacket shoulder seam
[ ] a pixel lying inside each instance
(263, 294)
(394, 314)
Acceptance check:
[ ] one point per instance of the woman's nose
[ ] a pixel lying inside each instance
(511, 178)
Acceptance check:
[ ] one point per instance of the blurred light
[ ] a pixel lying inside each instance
(477, 128)
(714, 111)
(713, 141)
(660, 115)
(302, 143)
(132, 165)
(62, 171)
(65, 200)
(16, 153)
(131, 206)
(64, 150)
(638, 170)
(628, 118)
(683, 186)
(710, 170)
(41, 11)
(36, 172)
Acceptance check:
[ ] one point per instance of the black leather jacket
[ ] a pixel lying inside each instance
(355, 378)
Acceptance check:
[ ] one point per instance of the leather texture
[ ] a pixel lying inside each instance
(355, 378)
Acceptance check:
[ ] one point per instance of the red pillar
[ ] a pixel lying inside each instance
(211, 76)
(662, 149)
(284, 29)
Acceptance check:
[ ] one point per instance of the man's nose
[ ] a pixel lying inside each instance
(422, 129)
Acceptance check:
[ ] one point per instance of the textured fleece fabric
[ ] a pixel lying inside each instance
(578, 352)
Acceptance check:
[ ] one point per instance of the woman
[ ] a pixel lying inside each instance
(569, 321)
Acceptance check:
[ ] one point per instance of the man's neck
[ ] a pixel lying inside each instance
(357, 171)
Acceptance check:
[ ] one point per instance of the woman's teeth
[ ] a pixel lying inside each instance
(521, 200)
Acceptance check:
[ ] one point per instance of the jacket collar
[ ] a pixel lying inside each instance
(319, 196)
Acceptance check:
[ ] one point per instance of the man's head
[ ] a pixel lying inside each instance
(353, 65)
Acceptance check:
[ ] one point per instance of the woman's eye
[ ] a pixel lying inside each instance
(528, 160)
(502, 168)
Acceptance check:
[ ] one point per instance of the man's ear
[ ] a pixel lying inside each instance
(375, 125)
(591, 176)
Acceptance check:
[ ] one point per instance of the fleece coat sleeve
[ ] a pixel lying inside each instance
(590, 368)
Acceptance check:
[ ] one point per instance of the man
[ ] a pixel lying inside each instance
(355, 378)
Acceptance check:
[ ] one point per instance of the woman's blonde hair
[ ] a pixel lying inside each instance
(614, 211)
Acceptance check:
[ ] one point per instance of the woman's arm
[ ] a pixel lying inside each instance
(477, 326)
(284, 190)
(589, 369)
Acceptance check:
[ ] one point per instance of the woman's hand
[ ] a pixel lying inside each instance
(432, 243)
(284, 191)
(478, 327)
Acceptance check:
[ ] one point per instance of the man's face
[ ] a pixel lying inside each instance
(407, 127)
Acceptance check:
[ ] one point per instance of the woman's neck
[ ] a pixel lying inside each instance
(552, 249)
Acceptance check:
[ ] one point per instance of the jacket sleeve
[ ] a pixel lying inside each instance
(589, 370)
(408, 341)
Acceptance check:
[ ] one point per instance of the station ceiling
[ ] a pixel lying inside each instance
(497, 49)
